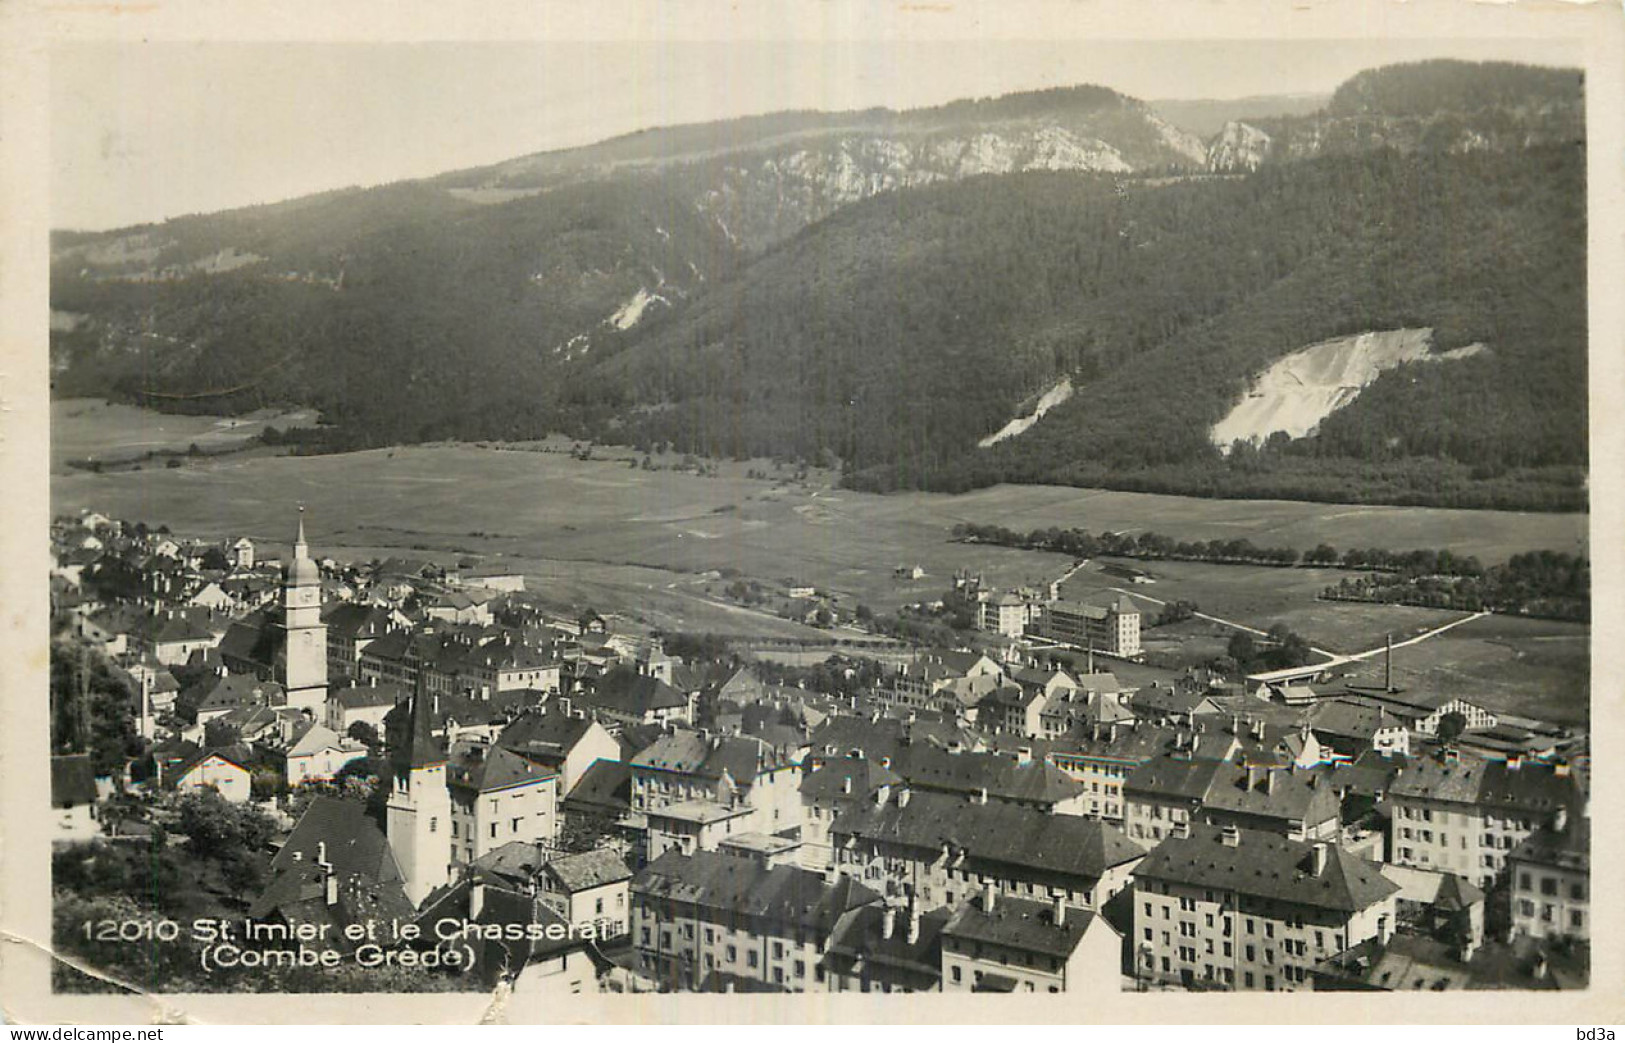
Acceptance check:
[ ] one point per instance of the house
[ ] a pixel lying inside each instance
(1001, 944)
(1177, 705)
(1423, 711)
(1464, 814)
(336, 868)
(832, 788)
(1416, 963)
(601, 802)
(498, 797)
(1167, 792)
(1225, 908)
(935, 849)
(221, 693)
(519, 943)
(708, 919)
(228, 771)
(686, 766)
(1350, 728)
(73, 798)
(1101, 757)
(1021, 779)
(365, 704)
(624, 696)
(591, 889)
(351, 627)
(316, 753)
(1277, 799)
(566, 743)
(887, 950)
(169, 637)
(1550, 873)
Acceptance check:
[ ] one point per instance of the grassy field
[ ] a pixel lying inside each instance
(649, 544)
(1531, 667)
(92, 428)
(1261, 597)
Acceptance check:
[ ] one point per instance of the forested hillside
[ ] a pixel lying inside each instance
(879, 291)
(899, 332)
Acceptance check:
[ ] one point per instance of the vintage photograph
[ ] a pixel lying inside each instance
(1010, 517)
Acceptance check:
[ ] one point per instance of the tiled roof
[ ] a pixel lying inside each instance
(1568, 849)
(782, 894)
(626, 691)
(1466, 779)
(1267, 865)
(357, 850)
(357, 696)
(829, 782)
(1174, 778)
(488, 769)
(1005, 778)
(605, 787)
(992, 834)
(860, 936)
(589, 869)
(1016, 923)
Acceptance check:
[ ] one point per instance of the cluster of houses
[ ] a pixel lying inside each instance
(625, 820)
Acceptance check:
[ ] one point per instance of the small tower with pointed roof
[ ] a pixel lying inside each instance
(304, 649)
(419, 813)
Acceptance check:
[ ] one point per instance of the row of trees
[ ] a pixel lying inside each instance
(1548, 584)
(1156, 546)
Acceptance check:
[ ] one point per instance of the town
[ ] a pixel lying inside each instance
(333, 751)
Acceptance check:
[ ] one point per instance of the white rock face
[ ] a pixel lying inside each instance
(1046, 402)
(1298, 392)
(1239, 146)
(628, 314)
(1057, 149)
(1182, 141)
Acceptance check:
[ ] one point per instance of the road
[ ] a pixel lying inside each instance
(1333, 658)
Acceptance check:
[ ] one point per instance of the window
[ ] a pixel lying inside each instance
(750, 958)
(1548, 885)
(1526, 882)
(1576, 919)
(801, 968)
(733, 954)
(1577, 891)
(645, 936)
(957, 974)
(434, 824)
(598, 907)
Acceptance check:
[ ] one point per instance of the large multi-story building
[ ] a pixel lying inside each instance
(1550, 874)
(934, 849)
(1464, 814)
(1225, 908)
(713, 921)
(1000, 944)
(1112, 629)
(499, 797)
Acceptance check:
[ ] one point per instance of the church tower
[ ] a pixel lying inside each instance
(304, 649)
(419, 817)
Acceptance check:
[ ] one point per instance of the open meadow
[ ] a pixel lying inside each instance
(650, 544)
(92, 428)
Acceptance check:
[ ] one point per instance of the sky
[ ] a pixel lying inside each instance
(146, 131)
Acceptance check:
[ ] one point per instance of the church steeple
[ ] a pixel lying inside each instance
(304, 653)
